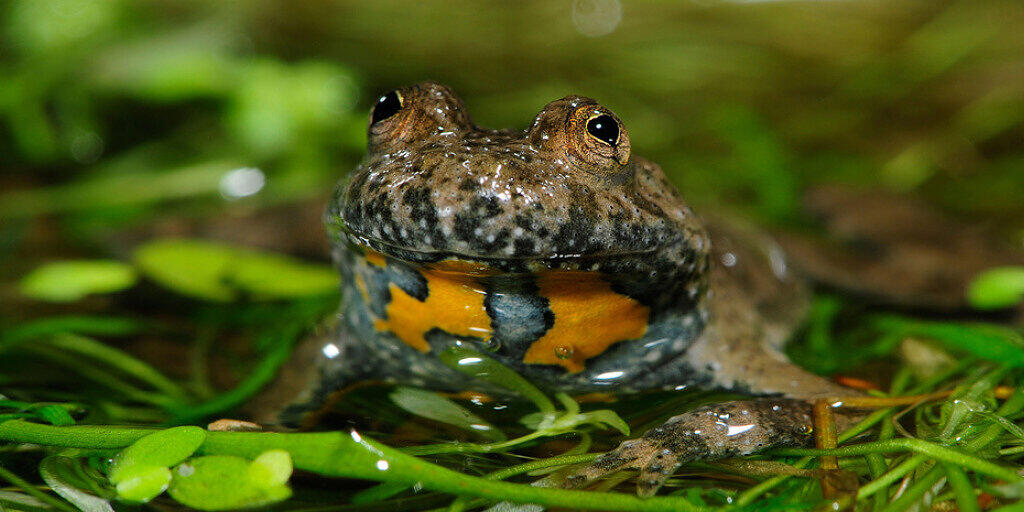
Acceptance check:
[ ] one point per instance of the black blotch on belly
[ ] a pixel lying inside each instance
(518, 315)
(409, 280)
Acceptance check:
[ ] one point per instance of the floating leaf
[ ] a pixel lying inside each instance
(218, 272)
(432, 406)
(1001, 287)
(222, 482)
(68, 281)
(141, 483)
(162, 448)
(272, 468)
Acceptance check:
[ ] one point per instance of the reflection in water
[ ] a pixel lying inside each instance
(596, 17)
(242, 182)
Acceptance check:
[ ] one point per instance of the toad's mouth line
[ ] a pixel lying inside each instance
(417, 255)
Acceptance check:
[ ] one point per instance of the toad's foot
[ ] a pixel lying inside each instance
(711, 432)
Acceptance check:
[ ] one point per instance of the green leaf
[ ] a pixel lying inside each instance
(606, 417)
(990, 342)
(141, 483)
(222, 482)
(280, 277)
(55, 415)
(68, 281)
(432, 406)
(996, 288)
(94, 325)
(18, 501)
(271, 469)
(162, 448)
(221, 273)
(55, 471)
(190, 267)
(478, 365)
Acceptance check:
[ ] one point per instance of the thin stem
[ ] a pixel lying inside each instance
(564, 460)
(918, 446)
(103, 378)
(263, 373)
(825, 434)
(120, 360)
(962, 488)
(436, 449)
(916, 491)
(748, 496)
(883, 482)
(35, 493)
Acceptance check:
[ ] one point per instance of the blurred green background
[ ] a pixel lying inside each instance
(157, 116)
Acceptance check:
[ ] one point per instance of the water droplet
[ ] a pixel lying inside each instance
(564, 351)
(492, 343)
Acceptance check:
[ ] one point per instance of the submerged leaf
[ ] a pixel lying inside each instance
(68, 281)
(432, 406)
(478, 365)
(55, 471)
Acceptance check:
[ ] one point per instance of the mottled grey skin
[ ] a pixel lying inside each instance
(434, 187)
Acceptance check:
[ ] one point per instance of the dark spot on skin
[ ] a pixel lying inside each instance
(574, 234)
(500, 240)
(610, 461)
(523, 221)
(486, 207)
(522, 246)
(465, 226)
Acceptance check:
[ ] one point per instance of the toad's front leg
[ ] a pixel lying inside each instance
(711, 432)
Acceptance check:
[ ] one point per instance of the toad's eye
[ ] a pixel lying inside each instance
(604, 128)
(387, 106)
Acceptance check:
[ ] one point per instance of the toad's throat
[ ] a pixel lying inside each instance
(558, 317)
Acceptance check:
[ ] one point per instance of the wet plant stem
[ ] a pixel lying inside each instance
(918, 446)
(348, 455)
(437, 449)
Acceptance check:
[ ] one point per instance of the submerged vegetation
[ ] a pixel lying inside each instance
(945, 432)
(164, 165)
